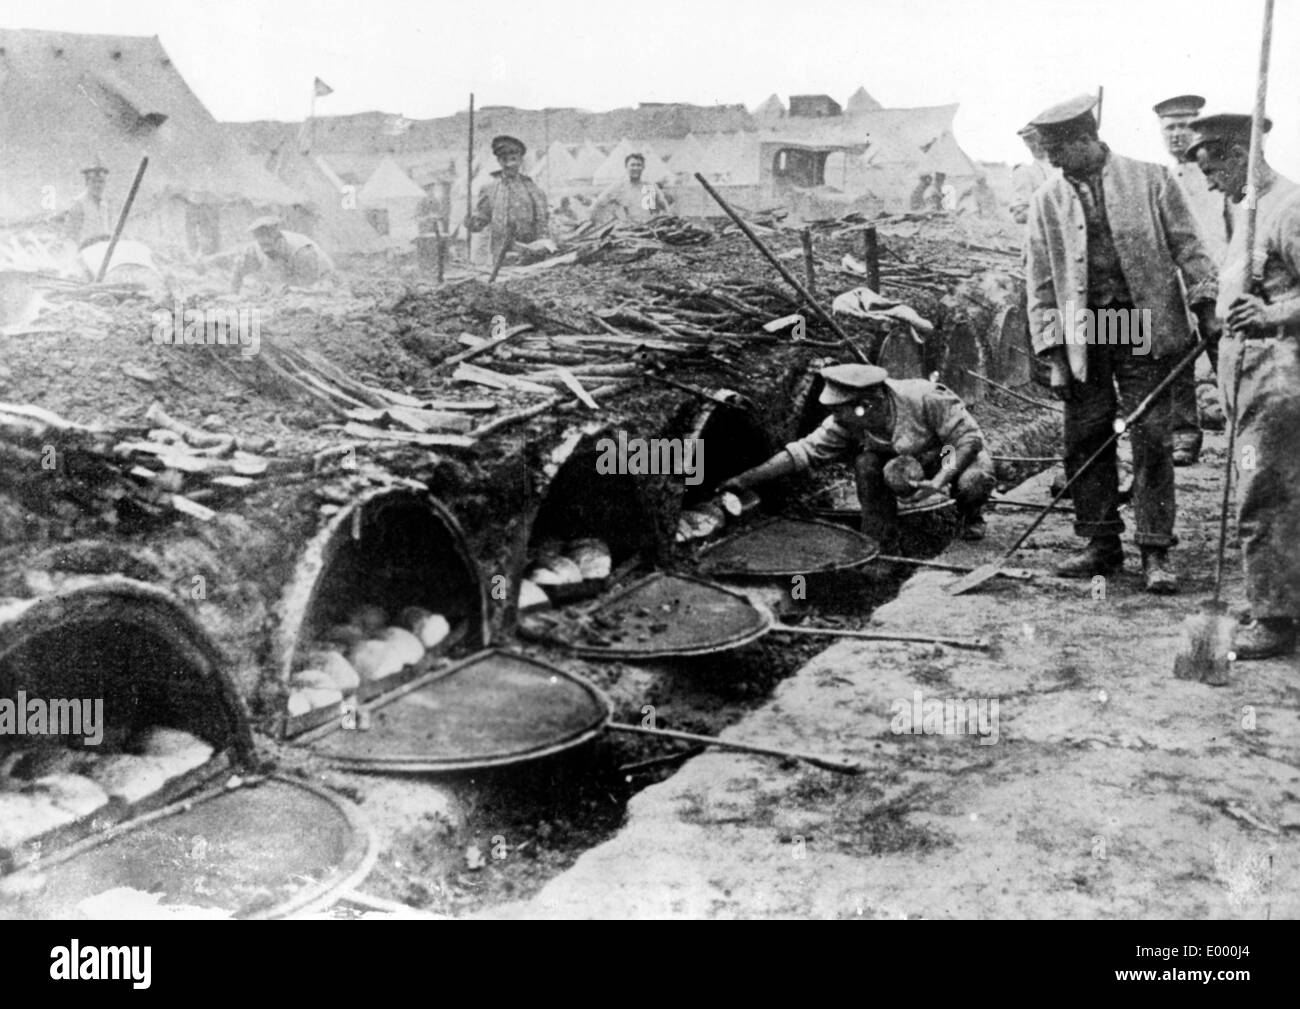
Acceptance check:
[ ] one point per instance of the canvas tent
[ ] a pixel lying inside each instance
(390, 201)
(333, 216)
(860, 101)
(66, 99)
(770, 109)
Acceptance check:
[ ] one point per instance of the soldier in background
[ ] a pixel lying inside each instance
(1210, 210)
(88, 219)
(1026, 178)
(282, 257)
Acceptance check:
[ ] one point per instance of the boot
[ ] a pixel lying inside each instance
(972, 527)
(1104, 555)
(1156, 573)
(1265, 638)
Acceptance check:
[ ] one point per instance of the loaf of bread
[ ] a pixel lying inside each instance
(338, 671)
(531, 597)
(431, 628)
(305, 699)
(700, 522)
(128, 776)
(24, 816)
(592, 557)
(383, 656)
(76, 793)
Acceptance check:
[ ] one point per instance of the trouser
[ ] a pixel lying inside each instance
(1089, 420)
(971, 490)
(1186, 421)
(1267, 467)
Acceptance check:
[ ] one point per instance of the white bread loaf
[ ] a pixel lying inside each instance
(76, 793)
(531, 597)
(24, 817)
(128, 776)
(407, 644)
(592, 557)
(430, 628)
(338, 670)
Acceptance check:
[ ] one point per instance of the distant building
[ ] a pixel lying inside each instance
(814, 107)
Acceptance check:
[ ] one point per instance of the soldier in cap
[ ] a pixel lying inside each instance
(1211, 212)
(284, 257)
(1026, 178)
(632, 199)
(875, 419)
(1109, 236)
(89, 219)
(512, 202)
(1259, 360)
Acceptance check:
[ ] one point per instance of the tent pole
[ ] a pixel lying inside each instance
(469, 184)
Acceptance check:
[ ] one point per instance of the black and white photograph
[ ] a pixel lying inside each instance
(732, 461)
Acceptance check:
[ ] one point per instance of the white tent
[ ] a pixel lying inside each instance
(587, 160)
(691, 157)
(391, 202)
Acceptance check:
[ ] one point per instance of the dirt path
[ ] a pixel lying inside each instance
(1112, 790)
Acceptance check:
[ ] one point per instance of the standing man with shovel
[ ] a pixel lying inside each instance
(1259, 296)
(1107, 236)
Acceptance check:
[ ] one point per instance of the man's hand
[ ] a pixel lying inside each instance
(1211, 330)
(1247, 314)
(735, 485)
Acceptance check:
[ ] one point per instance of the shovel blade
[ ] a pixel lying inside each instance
(1206, 654)
(982, 574)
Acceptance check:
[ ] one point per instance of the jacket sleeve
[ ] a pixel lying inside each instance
(827, 442)
(947, 416)
(1185, 243)
(1040, 288)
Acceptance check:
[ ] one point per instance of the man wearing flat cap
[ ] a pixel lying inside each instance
(1259, 359)
(511, 202)
(1108, 239)
(1211, 212)
(281, 257)
(875, 419)
(88, 219)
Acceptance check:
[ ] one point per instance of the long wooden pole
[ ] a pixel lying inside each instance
(121, 220)
(786, 275)
(469, 183)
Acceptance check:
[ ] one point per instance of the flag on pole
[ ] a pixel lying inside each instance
(321, 88)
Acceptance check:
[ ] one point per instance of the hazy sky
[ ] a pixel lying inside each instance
(1002, 60)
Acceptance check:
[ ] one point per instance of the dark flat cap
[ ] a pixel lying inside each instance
(503, 145)
(843, 382)
(1232, 127)
(1179, 105)
(1065, 114)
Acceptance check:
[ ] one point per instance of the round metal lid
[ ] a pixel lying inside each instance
(666, 616)
(494, 709)
(259, 851)
(783, 547)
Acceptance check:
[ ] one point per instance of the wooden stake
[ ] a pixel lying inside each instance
(871, 254)
(805, 238)
(121, 220)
